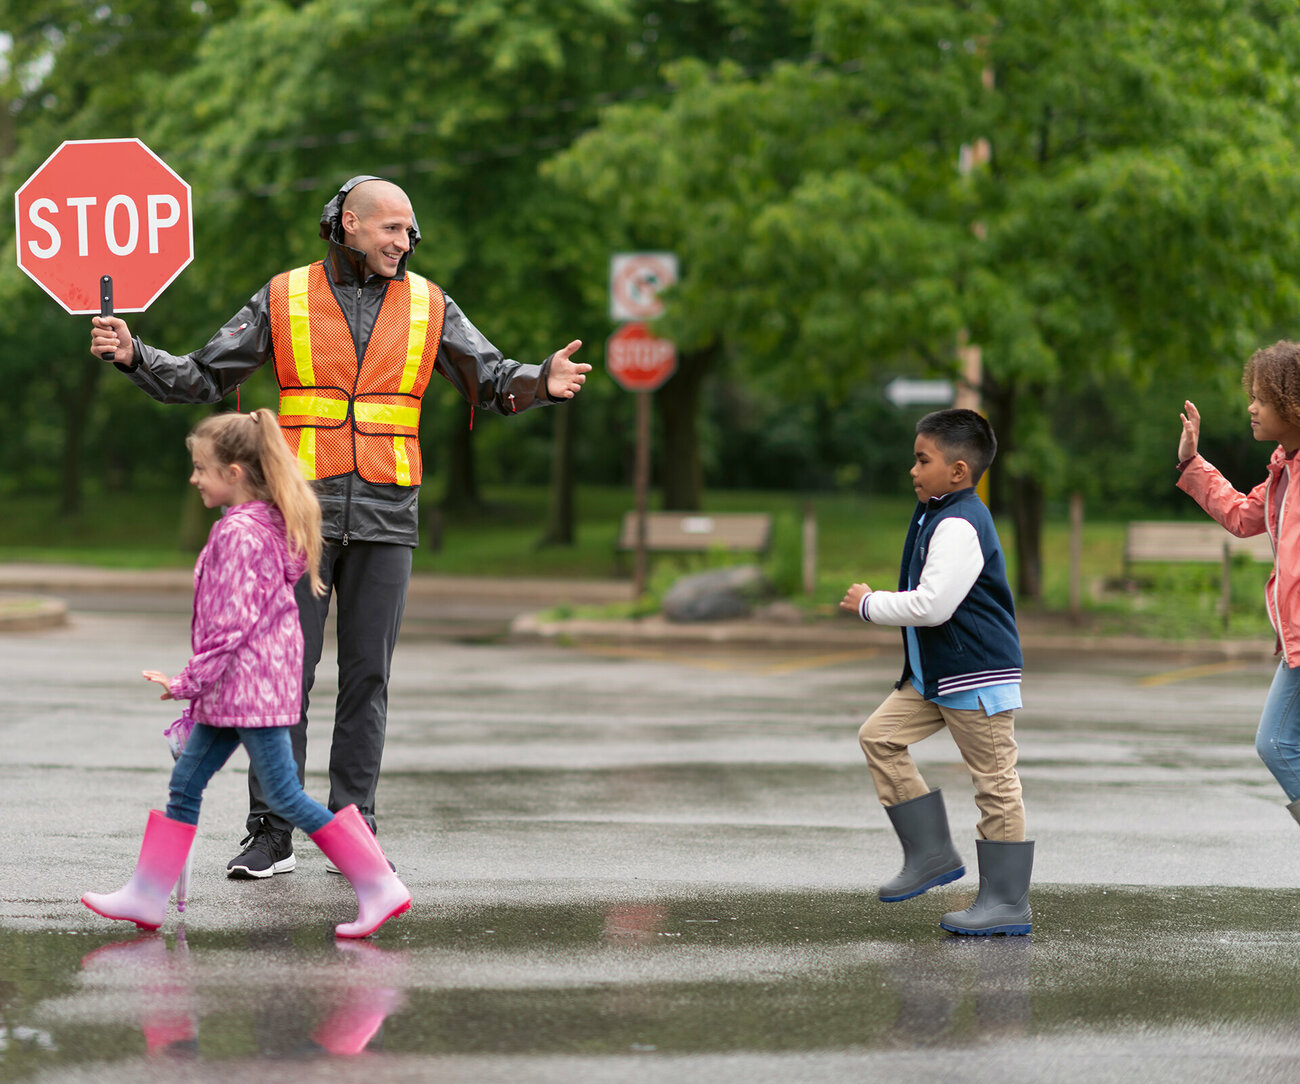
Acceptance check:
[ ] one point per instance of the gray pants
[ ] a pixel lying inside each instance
(370, 581)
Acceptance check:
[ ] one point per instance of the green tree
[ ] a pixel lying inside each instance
(70, 71)
(264, 107)
(1128, 217)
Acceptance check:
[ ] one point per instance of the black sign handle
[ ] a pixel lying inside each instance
(106, 308)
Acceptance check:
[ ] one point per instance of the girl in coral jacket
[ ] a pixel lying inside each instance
(244, 681)
(1272, 379)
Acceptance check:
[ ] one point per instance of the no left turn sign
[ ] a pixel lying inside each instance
(635, 280)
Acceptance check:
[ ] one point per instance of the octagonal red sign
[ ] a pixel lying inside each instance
(638, 359)
(104, 207)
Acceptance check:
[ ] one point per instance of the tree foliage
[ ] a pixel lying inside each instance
(1092, 192)
(1099, 195)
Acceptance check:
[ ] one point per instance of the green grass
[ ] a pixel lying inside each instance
(859, 539)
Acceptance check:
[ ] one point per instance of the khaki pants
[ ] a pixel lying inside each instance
(987, 744)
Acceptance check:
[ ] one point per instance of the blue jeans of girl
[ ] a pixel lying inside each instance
(269, 752)
(1278, 739)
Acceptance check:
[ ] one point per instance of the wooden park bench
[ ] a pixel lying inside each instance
(698, 532)
(1155, 541)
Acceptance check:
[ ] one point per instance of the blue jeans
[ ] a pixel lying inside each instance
(1278, 740)
(269, 752)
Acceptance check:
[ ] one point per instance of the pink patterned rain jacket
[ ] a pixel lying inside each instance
(247, 664)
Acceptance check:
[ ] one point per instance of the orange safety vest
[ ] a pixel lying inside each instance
(340, 415)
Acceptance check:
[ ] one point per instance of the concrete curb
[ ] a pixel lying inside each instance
(830, 636)
(26, 605)
(532, 591)
(30, 613)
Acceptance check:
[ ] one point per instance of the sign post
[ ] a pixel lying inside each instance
(640, 362)
(104, 222)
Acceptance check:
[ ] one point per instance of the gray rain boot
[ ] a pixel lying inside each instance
(1294, 810)
(1002, 905)
(929, 858)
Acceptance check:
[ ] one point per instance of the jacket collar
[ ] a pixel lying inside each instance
(1279, 460)
(946, 499)
(347, 265)
(262, 511)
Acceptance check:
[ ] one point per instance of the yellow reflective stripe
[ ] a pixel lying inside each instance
(387, 414)
(401, 464)
(300, 326)
(307, 452)
(313, 406)
(419, 330)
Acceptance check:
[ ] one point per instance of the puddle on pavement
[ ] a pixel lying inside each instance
(768, 973)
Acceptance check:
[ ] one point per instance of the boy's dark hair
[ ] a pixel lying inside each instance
(961, 434)
(1274, 372)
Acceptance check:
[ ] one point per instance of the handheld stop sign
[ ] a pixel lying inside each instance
(104, 223)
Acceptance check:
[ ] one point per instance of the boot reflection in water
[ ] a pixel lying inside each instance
(364, 1004)
(157, 986)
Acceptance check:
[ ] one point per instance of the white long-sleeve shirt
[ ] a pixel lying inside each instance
(952, 566)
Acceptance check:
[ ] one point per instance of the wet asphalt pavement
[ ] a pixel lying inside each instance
(651, 863)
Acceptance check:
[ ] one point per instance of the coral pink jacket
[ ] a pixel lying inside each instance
(247, 665)
(1273, 506)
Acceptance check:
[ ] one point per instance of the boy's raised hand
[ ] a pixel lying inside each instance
(1191, 431)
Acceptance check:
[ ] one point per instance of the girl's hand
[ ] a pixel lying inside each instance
(159, 678)
(1191, 431)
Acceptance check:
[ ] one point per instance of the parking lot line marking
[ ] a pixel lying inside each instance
(1188, 673)
(751, 661)
(816, 662)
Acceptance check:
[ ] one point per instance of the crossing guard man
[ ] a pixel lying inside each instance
(354, 339)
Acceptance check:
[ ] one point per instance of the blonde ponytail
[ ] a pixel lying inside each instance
(255, 442)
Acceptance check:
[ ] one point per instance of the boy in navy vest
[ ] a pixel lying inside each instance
(961, 669)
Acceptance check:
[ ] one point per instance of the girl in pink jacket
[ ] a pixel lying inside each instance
(244, 681)
(1272, 378)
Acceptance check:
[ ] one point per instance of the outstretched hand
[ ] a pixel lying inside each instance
(565, 378)
(159, 678)
(1191, 431)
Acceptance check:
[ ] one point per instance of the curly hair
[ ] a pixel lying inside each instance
(1273, 376)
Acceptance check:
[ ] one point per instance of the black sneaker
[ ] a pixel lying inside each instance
(267, 851)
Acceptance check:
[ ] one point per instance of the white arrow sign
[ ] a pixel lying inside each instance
(905, 391)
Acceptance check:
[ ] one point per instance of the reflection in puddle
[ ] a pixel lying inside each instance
(153, 983)
(764, 974)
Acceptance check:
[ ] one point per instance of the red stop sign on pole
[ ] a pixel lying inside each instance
(638, 359)
(104, 207)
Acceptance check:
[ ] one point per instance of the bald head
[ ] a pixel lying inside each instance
(368, 196)
(377, 220)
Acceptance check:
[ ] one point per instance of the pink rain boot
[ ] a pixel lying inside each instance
(349, 843)
(143, 899)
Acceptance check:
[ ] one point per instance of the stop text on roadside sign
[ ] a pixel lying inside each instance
(100, 207)
(638, 359)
